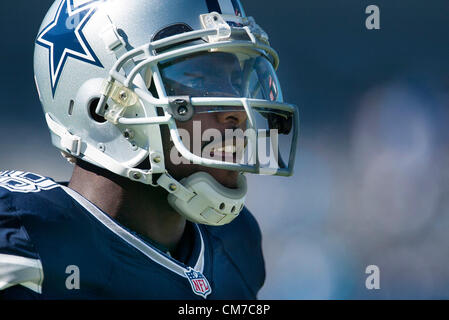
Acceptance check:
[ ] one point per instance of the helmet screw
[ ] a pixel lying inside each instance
(128, 134)
(182, 110)
(137, 175)
(157, 159)
(101, 147)
(172, 187)
(123, 95)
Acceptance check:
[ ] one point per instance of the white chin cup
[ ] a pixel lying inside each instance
(213, 204)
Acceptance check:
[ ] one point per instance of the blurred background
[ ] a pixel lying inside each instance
(371, 185)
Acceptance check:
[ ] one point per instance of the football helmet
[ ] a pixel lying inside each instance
(111, 74)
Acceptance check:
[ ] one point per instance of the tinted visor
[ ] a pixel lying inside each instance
(221, 74)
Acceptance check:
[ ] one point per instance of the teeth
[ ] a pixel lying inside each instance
(226, 149)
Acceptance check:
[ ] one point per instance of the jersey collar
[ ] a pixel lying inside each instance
(142, 246)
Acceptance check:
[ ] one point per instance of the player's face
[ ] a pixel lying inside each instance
(207, 75)
(218, 121)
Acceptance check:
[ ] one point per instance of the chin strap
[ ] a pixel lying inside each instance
(211, 203)
(75, 146)
(199, 197)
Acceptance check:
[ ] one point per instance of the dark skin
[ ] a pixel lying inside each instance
(142, 208)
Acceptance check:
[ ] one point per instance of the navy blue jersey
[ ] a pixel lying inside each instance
(55, 244)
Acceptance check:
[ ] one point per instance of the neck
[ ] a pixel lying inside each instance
(141, 208)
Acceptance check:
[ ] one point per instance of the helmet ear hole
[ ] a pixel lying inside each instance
(94, 116)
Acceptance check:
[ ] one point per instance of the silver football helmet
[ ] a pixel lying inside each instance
(111, 73)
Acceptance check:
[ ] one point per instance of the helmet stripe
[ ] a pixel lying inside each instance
(238, 9)
(231, 7)
(227, 7)
(213, 5)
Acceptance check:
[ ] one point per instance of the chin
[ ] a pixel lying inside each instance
(225, 177)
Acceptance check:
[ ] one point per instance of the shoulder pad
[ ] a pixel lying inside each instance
(242, 241)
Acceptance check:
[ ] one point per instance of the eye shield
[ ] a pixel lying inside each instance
(221, 75)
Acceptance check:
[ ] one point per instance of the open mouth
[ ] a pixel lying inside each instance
(229, 150)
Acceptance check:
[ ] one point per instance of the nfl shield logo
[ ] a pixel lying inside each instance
(199, 283)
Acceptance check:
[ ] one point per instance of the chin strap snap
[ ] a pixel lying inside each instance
(70, 142)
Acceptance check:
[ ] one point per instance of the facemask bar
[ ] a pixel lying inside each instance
(218, 36)
(127, 92)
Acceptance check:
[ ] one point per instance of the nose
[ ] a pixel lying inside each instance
(234, 118)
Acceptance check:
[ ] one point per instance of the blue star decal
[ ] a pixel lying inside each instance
(64, 38)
